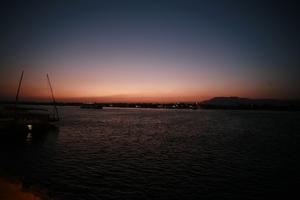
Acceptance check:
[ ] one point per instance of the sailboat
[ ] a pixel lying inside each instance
(25, 119)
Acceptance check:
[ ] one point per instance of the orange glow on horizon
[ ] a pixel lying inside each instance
(114, 83)
(86, 93)
(61, 94)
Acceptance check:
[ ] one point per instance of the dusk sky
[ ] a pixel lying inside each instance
(150, 51)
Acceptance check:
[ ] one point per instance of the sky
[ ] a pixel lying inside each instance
(149, 51)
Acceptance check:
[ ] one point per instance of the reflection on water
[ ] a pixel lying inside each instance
(29, 137)
(167, 154)
(18, 139)
(13, 146)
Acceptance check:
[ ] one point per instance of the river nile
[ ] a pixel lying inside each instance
(160, 154)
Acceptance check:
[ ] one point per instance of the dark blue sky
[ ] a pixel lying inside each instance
(177, 50)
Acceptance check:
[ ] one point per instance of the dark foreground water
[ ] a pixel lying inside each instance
(160, 154)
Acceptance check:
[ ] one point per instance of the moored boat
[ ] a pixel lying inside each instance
(15, 118)
(91, 106)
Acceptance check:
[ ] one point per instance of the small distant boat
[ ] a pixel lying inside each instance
(25, 119)
(91, 106)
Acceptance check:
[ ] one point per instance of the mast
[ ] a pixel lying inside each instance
(53, 99)
(19, 87)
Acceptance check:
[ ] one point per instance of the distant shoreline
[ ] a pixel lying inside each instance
(237, 103)
(220, 103)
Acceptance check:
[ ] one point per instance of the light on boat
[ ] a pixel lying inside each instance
(29, 127)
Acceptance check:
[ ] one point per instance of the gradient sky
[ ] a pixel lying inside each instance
(156, 51)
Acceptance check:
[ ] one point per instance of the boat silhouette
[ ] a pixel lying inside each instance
(28, 119)
(91, 106)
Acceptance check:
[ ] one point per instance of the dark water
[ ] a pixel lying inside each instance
(161, 154)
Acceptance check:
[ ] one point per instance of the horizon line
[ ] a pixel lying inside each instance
(88, 100)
